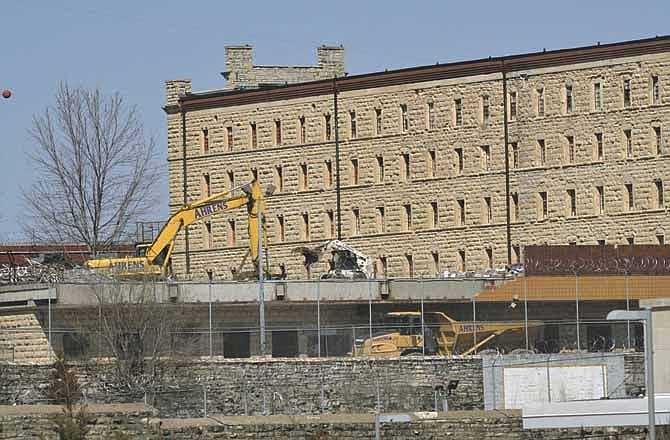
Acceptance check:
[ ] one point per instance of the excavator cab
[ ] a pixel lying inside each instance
(141, 249)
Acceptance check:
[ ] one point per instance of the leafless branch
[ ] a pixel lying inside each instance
(95, 168)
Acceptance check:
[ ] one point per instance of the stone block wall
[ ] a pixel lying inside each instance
(107, 421)
(138, 421)
(241, 74)
(445, 127)
(277, 386)
(274, 386)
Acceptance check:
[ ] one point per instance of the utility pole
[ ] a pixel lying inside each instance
(261, 287)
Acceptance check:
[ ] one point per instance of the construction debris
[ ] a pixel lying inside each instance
(345, 261)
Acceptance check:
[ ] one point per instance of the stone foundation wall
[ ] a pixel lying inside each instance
(107, 421)
(276, 386)
(137, 421)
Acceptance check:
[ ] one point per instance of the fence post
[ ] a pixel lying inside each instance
(577, 309)
(204, 395)
(474, 325)
(318, 317)
(525, 308)
(423, 323)
(50, 344)
(370, 313)
(627, 309)
(211, 346)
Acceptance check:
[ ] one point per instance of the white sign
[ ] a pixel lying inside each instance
(528, 385)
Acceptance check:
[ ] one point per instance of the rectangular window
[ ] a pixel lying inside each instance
(629, 143)
(517, 254)
(204, 136)
(431, 163)
(597, 100)
(512, 106)
(626, 93)
(405, 118)
(516, 212)
(383, 262)
(254, 174)
(354, 172)
(630, 241)
(540, 102)
(570, 140)
(630, 197)
(542, 151)
(405, 167)
(486, 112)
(489, 257)
(461, 261)
(568, 99)
(330, 224)
(303, 130)
(435, 215)
(229, 138)
(459, 160)
(409, 265)
(281, 236)
(277, 132)
(543, 207)
(430, 120)
(232, 233)
(378, 119)
(328, 174)
(380, 219)
(488, 211)
(230, 177)
(659, 142)
(380, 169)
(327, 133)
(304, 230)
(407, 217)
(206, 185)
(660, 238)
(460, 212)
(435, 269)
(655, 90)
(458, 112)
(207, 235)
(600, 200)
(279, 178)
(254, 135)
(302, 178)
(572, 203)
(599, 150)
(486, 158)
(355, 222)
(660, 198)
(352, 124)
(515, 154)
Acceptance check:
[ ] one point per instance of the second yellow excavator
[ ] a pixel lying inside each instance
(153, 259)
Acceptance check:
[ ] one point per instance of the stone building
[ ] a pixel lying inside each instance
(421, 157)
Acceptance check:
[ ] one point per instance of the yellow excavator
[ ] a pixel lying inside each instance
(153, 259)
(443, 335)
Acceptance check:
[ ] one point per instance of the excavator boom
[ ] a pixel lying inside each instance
(156, 258)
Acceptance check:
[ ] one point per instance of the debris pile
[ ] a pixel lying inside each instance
(345, 261)
(501, 272)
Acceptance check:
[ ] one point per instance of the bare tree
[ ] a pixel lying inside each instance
(95, 169)
(137, 326)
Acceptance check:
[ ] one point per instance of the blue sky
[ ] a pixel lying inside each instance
(132, 47)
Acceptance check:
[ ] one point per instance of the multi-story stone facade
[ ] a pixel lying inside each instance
(422, 159)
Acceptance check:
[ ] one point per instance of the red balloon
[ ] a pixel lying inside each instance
(6, 93)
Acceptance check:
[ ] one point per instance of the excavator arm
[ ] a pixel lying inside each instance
(158, 253)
